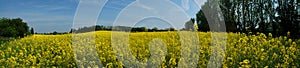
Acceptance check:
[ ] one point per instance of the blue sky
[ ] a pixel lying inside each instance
(57, 15)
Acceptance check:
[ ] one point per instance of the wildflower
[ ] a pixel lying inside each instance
(246, 61)
(288, 33)
(270, 34)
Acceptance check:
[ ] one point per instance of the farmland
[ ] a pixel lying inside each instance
(256, 50)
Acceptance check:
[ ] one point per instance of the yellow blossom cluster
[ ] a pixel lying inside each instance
(242, 50)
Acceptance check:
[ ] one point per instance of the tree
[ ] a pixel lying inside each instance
(276, 16)
(8, 32)
(287, 14)
(193, 20)
(189, 25)
(145, 29)
(31, 31)
(211, 15)
(171, 29)
(202, 22)
(54, 33)
(154, 29)
(228, 10)
(13, 27)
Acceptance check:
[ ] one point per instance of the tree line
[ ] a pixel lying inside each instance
(119, 28)
(266, 16)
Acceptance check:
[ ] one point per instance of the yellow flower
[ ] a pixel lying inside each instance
(262, 58)
(42, 48)
(266, 67)
(246, 61)
(275, 55)
(270, 34)
(288, 33)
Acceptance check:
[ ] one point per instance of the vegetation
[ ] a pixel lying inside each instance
(119, 28)
(13, 28)
(31, 31)
(5, 39)
(256, 50)
(266, 16)
(259, 34)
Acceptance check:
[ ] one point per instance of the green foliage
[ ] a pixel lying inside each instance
(13, 27)
(54, 33)
(202, 22)
(31, 31)
(8, 32)
(267, 16)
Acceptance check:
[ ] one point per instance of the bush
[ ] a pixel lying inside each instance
(13, 27)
